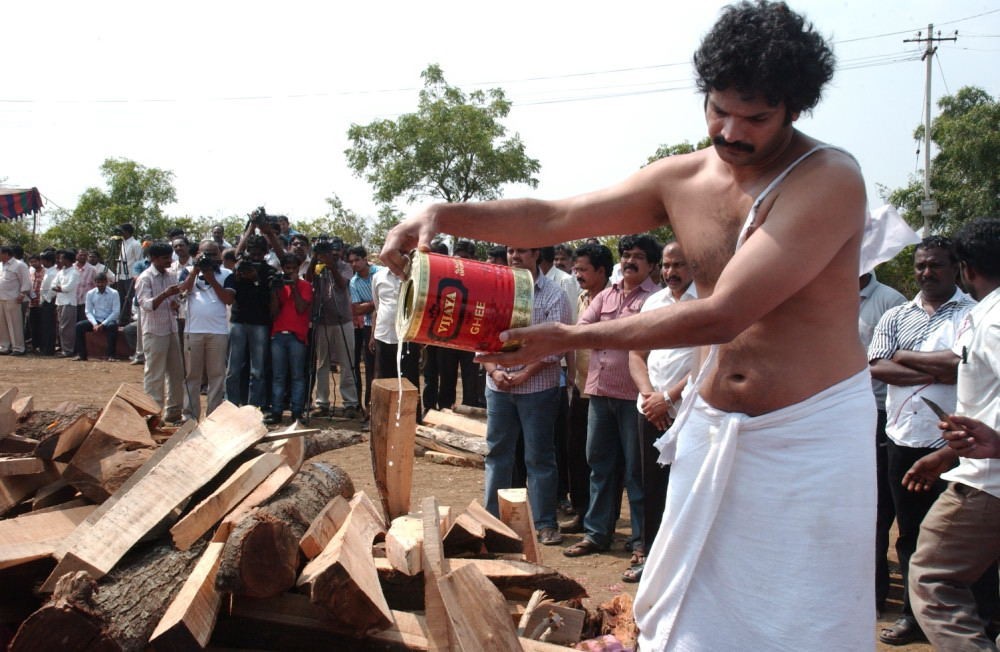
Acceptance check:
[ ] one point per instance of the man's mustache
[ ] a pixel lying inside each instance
(675, 279)
(719, 141)
(630, 266)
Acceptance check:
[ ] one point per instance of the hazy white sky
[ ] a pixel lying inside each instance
(249, 102)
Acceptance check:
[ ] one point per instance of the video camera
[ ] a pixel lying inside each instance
(259, 218)
(206, 262)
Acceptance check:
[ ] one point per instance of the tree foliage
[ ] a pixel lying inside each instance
(454, 147)
(663, 151)
(134, 194)
(964, 178)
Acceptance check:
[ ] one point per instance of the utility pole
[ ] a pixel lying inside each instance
(929, 206)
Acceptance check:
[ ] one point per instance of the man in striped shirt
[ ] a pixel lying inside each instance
(523, 399)
(911, 352)
(156, 290)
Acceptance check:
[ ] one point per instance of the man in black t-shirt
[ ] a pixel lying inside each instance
(249, 328)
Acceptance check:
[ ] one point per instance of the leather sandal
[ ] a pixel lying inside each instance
(633, 573)
(582, 548)
(904, 630)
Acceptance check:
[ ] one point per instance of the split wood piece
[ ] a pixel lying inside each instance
(261, 558)
(409, 631)
(116, 447)
(79, 501)
(324, 526)
(21, 466)
(453, 443)
(52, 494)
(208, 512)
(22, 407)
(64, 436)
(224, 434)
(343, 578)
(190, 618)
(554, 623)
(475, 528)
(488, 625)
(403, 543)
(17, 445)
(117, 612)
(434, 565)
(448, 420)
(618, 619)
(165, 449)
(516, 579)
(34, 536)
(393, 428)
(472, 411)
(454, 460)
(139, 399)
(15, 488)
(8, 419)
(291, 451)
(515, 511)
(290, 621)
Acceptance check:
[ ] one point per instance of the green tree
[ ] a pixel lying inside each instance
(663, 151)
(134, 194)
(454, 147)
(964, 178)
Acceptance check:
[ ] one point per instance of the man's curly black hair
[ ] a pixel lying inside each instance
(765, 47)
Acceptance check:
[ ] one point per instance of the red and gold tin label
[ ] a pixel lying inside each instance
(462, 304)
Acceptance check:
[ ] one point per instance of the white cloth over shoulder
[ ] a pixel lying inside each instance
(767, 518)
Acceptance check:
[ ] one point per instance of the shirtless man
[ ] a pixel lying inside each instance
(774, 445)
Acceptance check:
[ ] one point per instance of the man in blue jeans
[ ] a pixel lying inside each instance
(525, 399)
(291, 300)
(249, 328)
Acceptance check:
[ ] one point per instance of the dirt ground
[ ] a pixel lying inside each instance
(51, 381)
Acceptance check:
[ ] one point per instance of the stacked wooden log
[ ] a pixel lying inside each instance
(453, 437)
(222, 533)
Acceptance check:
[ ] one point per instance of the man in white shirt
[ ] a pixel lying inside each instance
(64, 286)
(131, 248)
(384, 341)
(15, 287)
(206, 329)
(960, 536)
(911, 352)
(660, 376)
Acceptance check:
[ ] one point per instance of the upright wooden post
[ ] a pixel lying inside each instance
(392, 442)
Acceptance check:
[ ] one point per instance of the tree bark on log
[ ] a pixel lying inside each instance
(117, 613)
(261, 558)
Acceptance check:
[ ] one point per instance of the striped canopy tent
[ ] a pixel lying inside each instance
(15, 203)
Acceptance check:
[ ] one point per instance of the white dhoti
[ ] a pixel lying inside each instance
(768, 535)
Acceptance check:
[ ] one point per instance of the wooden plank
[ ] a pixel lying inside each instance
(17, 445)
(190, 618)
(21, 466)
(22, 407)
(137, 398)
(223, 435)
(34, 536)
(445, 441)
(409, 631)
(487, 624)
(324, 526)
(451, 459)
(455, 422)
(343, 578)
(165, 448)
(403, 543)
(471, 411)
(515, 511)
(499, 537)
(208, 512)
(434, 565)
(8, 419)
(393, 432)
(547, 621)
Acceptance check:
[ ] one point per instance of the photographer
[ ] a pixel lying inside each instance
(260, 224)
(249, 326)
(291, 298)
(333, 328)
(206, 335)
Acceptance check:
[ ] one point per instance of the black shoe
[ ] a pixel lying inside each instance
(272, 419)
(904, 630)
